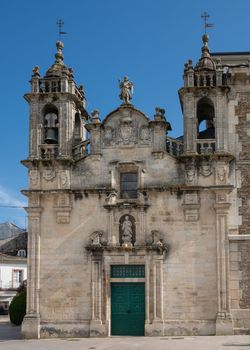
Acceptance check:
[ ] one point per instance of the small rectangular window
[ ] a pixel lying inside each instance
(128, 185)
(17, 278)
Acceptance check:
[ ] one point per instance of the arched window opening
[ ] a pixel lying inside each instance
(205, 119)
(77, 128)
(50, 124)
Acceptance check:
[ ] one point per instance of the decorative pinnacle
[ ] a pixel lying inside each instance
(59, 54)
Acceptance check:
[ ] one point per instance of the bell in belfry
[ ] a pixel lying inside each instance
(51, 130)
(51, 135)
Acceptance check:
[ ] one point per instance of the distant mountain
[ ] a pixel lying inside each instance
(7, 230)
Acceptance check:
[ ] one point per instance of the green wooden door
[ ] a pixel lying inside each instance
(127, 308)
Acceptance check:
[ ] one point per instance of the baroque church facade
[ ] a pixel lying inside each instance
(132, 232)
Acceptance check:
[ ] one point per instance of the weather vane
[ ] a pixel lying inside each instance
(60, 24)
(205, 17)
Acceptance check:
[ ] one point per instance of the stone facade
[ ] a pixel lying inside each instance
(129, 196)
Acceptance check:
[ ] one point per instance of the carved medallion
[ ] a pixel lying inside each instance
(206, 169)
(49, 174)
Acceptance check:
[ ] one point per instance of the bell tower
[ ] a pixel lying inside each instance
(209, 158)
(57, 137)
(57, 111)
(204, 99)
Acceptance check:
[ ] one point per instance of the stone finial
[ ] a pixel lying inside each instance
(36, 71)
(160, 114)
(127, 89)
(59, 54)
(95, 116)
(205, 48)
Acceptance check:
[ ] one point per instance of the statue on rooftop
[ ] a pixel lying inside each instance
(127, 89)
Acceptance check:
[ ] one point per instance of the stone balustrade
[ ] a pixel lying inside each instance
(174, 147)
(205, 146)
(48, 151)
(81, 150)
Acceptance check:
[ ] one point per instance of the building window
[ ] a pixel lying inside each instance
(17, 278)
(21, 252)
(128, 185)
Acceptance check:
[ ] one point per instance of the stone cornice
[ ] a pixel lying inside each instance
(239, 237)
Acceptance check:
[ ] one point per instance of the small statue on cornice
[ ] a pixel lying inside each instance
(156, 241)
(95, 238)
(111, 198)
(127, 89)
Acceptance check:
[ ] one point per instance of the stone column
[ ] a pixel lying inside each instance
(224, 324)
(31, 322)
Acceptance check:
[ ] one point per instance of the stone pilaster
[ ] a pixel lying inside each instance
(155, 305)
(224, 324)
(221, 128)
(96, 326)
(31, 322)
(189, 124)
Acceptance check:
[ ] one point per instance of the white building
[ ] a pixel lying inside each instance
(13, 267)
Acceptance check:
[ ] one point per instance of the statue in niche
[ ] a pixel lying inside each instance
(127, 89)
(127, 230)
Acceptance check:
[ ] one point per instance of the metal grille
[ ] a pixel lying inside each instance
(127, 271)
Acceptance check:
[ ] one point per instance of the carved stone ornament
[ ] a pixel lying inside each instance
(191, 198)
(156, 241)
(111, 198)
(34, 178)
(145, 135)
(64, 179)
(190, 173)
(108, 136)
(221, 174)
(206, 169)
(49, 174)
(95, 238)
(126, 131)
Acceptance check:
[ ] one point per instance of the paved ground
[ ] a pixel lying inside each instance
(10, 339)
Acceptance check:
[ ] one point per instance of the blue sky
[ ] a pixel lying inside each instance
(148, 40)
